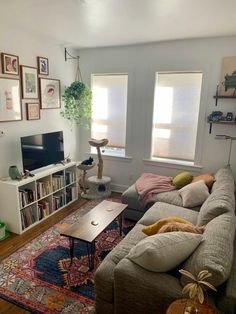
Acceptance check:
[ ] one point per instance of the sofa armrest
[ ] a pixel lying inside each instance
(137, 290)
(227, 296)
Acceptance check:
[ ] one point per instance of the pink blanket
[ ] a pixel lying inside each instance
(149, 184)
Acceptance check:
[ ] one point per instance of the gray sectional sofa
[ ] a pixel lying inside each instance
(123, 287)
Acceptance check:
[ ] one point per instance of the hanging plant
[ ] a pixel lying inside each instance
(77, 104)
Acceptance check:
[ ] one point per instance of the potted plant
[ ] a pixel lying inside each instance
(77, 104)
(196, 289)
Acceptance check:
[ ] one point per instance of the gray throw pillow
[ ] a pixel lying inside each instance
(163, 252)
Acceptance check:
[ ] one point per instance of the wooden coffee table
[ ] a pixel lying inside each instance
(92, 224)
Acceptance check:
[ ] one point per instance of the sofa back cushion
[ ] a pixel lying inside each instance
(224, 176)
(222, 198)
(215, 252)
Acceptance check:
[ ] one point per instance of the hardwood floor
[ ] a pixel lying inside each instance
(14, 241)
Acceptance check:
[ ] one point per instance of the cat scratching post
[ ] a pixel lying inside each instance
(99, 186)
(84, 169)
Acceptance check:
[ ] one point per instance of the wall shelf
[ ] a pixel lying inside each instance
(216, 97)
(220, 122)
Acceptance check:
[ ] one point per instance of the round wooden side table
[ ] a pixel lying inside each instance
(178, 307)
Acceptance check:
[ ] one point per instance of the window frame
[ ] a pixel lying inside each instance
(109, 152)
(181, 163)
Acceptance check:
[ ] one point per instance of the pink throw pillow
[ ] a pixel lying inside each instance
(177, 226)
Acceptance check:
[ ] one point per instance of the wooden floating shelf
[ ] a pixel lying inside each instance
(220, 122)
(218, 96)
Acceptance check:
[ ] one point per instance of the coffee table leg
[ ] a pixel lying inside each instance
(71, 250)
(120, 222)
(91, 254)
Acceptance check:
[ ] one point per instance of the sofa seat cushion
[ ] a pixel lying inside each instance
(162, 210)
(104, 275)
(215, 252)
(171, 197)
(130, 197)
(164, 252)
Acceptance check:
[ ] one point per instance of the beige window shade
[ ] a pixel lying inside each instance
(109, 108)
(175, 116)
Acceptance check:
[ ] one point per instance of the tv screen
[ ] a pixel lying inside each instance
(41, 150)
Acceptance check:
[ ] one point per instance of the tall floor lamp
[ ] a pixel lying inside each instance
(227, 137)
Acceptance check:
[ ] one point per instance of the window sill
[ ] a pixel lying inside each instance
(112, 157)
(175, 164)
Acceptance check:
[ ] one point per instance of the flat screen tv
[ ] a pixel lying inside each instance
(41, 150)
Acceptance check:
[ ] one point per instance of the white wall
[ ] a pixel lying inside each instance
(141, 62)
(27, 46)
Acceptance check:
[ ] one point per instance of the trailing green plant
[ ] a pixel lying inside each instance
(77, 104)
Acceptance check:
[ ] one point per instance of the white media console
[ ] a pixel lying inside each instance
(27, 202)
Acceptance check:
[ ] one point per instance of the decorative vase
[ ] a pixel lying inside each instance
(192, 307)
(14, 172)
(2, 230)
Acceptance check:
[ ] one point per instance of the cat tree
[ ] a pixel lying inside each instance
(99, 186)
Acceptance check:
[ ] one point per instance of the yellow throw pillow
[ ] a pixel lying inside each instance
(182, 179)
(154, 228)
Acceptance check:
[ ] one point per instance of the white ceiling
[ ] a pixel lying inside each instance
(96, 23)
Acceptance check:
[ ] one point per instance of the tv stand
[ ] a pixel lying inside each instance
(25, 203)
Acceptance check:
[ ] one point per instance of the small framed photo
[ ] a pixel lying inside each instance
(32, 111)
(43, 66)
(10, 64)
(50, 94)
(29, 82)
(10, 103)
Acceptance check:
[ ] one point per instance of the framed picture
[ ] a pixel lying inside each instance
(32, 111)
(43, 66)
(10, 64)
(10, 103)
(50, 94)
(29, 82)
(227, 84)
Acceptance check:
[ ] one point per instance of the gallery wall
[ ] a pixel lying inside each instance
(28, 46)
(141, 62)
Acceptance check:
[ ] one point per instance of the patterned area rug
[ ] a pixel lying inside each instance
(38, 276)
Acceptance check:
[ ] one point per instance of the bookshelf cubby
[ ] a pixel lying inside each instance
(27, 202)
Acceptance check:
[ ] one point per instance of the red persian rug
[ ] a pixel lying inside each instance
(38, 276)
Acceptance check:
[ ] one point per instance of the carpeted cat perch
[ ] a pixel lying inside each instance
(99, 186)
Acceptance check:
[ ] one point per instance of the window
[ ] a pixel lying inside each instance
(109, 109)
(175, 115)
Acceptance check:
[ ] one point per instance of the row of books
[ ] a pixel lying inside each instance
(44, 209)
(28, 216)
(31, 214)
(57, 182)
(26, 196)
(71, 193)
(43, 188)
(70, 177)
(58, 201)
